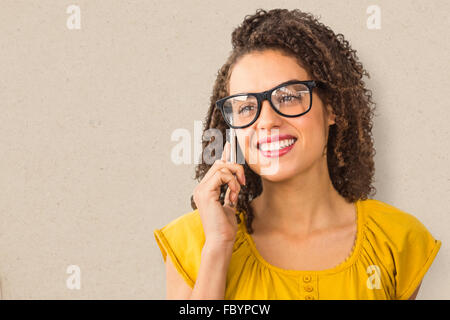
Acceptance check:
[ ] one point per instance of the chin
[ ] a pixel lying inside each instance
(275, 173)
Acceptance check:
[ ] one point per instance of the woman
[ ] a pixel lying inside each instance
(308, 229)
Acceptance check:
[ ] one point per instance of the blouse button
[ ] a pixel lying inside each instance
(306, 278)
(309, 297)
(309, 288)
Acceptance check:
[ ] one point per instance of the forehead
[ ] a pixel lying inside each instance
(260, 71)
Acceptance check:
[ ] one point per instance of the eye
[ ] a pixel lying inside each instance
(289, 98)
(245, 109)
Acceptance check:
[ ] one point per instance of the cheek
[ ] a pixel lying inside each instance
(244, 138)
(309, 129)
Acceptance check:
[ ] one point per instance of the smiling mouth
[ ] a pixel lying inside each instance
(276, 145)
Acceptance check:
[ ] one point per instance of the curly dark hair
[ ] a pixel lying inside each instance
(329, 59)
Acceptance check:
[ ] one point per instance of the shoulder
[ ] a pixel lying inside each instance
(389, 221)
(186, 225)
(183, 239)
(184, 231)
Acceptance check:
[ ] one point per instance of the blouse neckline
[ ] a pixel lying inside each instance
(351, 258)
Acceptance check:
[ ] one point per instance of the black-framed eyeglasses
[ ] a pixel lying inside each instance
(290, 99)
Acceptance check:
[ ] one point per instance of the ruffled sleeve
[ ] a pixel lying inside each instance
(403, 244)
(183, 239)
(416, 253)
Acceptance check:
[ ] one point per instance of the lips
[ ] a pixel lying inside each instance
(270, 139)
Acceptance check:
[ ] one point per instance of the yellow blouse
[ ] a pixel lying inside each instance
(392, 252)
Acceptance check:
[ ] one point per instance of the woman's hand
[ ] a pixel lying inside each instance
(219, 221)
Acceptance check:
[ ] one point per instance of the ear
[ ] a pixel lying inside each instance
(331, 115)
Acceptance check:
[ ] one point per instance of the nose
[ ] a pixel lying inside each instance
(268, 118)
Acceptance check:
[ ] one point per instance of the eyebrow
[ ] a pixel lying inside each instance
(269, 89)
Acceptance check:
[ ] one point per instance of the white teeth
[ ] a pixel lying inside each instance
(277, 145)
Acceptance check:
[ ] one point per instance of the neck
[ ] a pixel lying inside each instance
(299, 205)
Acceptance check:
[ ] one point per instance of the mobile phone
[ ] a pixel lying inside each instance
(232, 140)
(233, 150)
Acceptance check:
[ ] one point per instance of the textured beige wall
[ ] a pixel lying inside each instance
(87, 116)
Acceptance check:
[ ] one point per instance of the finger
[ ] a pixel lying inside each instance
(231, 195)
(235, 168)
(234, 187)
(223, 159)
(226, 152)
(227, 204)
(220, 178)
(227, 200)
